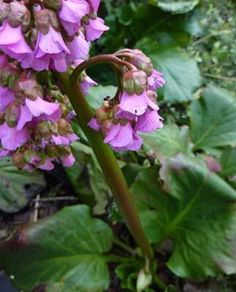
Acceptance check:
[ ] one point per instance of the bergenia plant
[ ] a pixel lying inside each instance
(44, 47)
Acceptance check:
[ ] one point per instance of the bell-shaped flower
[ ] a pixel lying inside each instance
(95, 28)
(79, 48)
(11, 138)
(39, 106)
(156, 80)
(71, 14)
(13, 44)
(149, 122)
(122, 137)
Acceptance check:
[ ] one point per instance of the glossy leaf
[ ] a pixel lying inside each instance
(181, 73)
(14, 185)
(65, 250)
(228, 162)
(197, 212)
(167, 142)
(176, 7)
(213, 119)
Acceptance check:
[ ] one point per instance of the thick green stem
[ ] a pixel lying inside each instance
(107, 160)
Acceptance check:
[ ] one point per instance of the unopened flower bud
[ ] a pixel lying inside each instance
(64, 151)
(4, 11)
(51, 150)
(106, 126)
(42, 20)
(135, 82)
(12, 115)
(102, 114)
(29, 156)
(144, 280)
(18, 160)
(44, 129)
(29, 88)
(64, 128)
(53, 4)
(19, 15)
(143, 63)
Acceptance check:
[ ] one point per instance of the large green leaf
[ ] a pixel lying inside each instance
(197, 212)
(176, 7)
(66, 249)
(213, 119)
(228, 162)
(167, 142)
(181, 73)
(14, 184)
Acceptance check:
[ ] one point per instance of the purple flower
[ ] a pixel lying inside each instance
(95, 5)
(79, 48)
(6, 98)
(4, 152)
(11, 138)
(50, 52)
(64, 140)
(13, 44)
(46, 165)
(3, 61)
(123, 137)
(25, 117)
(86, 84)
(94, 124)
(136, 104)
(149, 122)
(95, 28)
(39, 106)
(156, 80)
(68, 160)
(71, 13)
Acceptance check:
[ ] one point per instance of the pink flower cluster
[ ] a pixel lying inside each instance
(38, 35)
(49, 34)
(35, 127)
(134, 109)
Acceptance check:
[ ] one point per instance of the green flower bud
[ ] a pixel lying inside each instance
(44, 129)
(135, 82)
(12, 115)
(144, 280)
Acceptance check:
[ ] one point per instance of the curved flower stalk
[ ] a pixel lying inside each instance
(120, 119)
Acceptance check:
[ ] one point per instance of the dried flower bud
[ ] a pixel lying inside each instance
(18, 160)
(19, 15)
(4, 11)
(102, 114)
(29, 88)
(44, 129)
(64, 128)
(53, 4)
(12, 115)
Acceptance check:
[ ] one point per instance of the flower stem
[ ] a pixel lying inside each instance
(106, 159)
